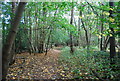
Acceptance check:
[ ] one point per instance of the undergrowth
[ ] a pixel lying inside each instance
(88, 65)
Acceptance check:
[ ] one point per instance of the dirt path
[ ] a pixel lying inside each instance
(46, 68)
(37, 66)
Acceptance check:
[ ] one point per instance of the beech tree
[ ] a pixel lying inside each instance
(71, 37)
(10, 39)
(112, 37)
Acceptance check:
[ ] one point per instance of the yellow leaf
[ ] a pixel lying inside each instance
(92, 13)
(23, 76)
(104, 35)
(87, 15)
(46, 70)
(80, 17)
(28, 73)
(62, 74)
(99, 36)
(111, 9)
(111, 35)
(95, 18)
(107, 23)
(80, 74)
(63, 71)
(100, 33)
(106, 13)
(13, 77)
(79, 9)
(109, 30)
(86, 73)
(111, 19)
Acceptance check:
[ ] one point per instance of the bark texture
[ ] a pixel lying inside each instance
(10, 39)
(112, 38)
(71, 37)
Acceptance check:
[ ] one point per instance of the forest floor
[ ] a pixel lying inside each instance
(39, 66)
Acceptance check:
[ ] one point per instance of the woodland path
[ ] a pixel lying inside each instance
(37, 66)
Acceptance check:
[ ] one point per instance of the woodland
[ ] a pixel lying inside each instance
(60, 41)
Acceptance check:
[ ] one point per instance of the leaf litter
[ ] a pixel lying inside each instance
(39, 66)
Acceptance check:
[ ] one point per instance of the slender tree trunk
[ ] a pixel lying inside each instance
(10, 39)
(97, 26)
(43, 30)
(71, 37)
(29, 40)
(86, 33)
(101, 39)
(79, 33)
(12, 58)
(30, 35)
(3, 31)
(77, 38)
(112, 38)
(118, 9)
(106, 41)
(37, 46)
(32, 49)
(48, 41)
(49, 36)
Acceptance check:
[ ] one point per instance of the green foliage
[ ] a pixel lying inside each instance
(48, 19)
(83, 61)
(59, 36)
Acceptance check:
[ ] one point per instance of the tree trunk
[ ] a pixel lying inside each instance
(71, 37)
(105, 45)
(101, 39)
(79, 33)
(10, 39)
(49, 36)
(48, 41)
(12, 58)
(86, 33)
(112, 38)
(118, 9)
(41, 45)
(32, 49)
(3, 31)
